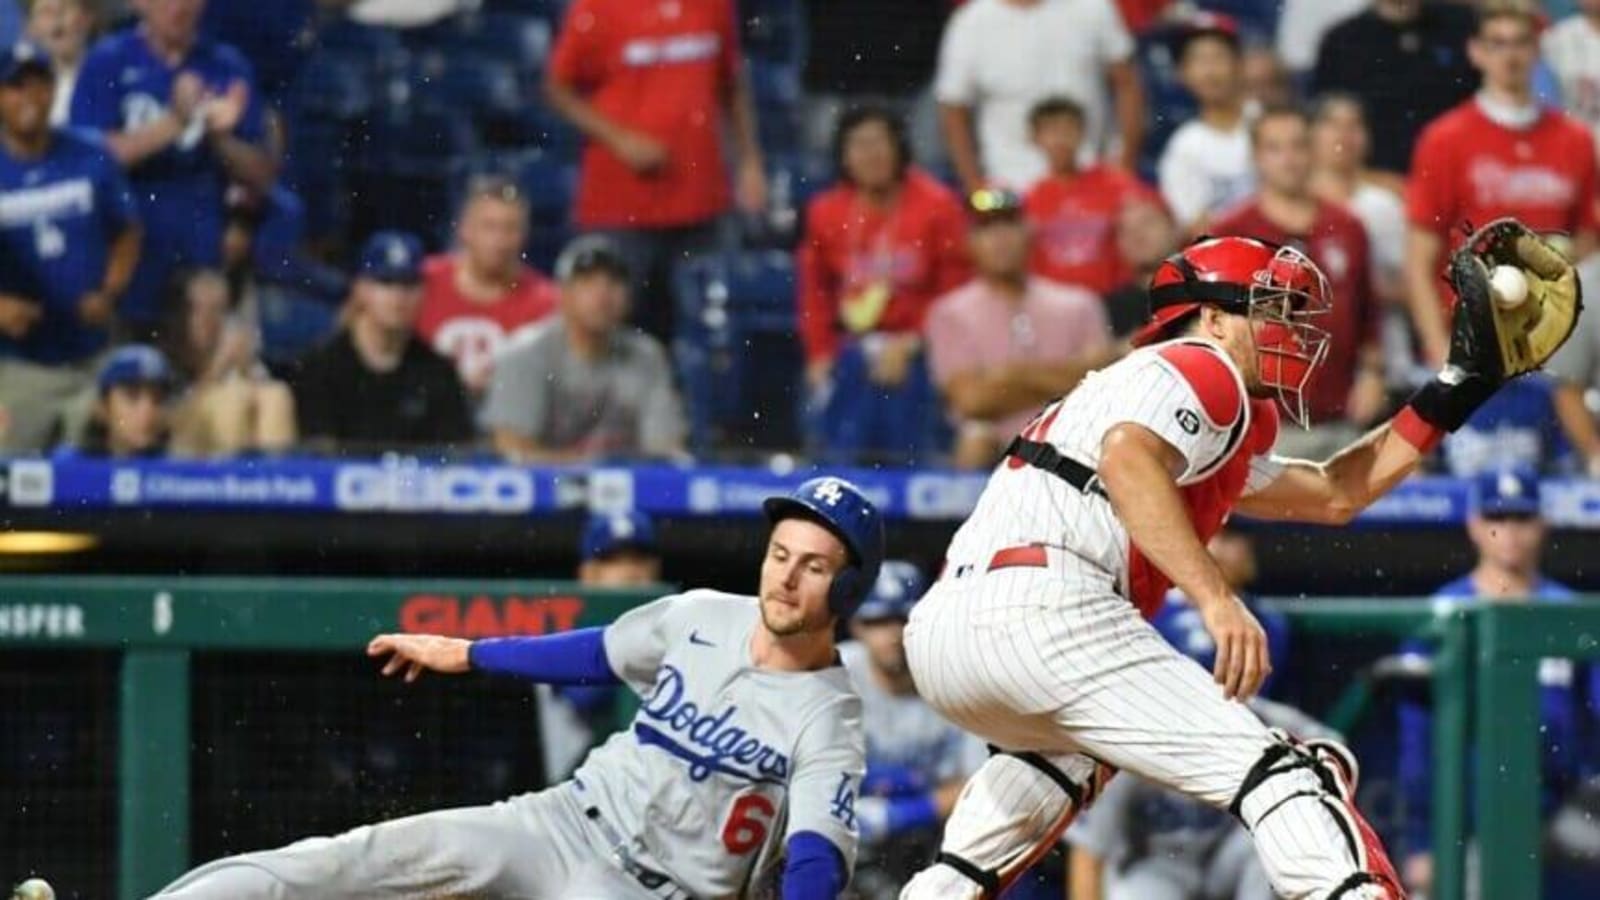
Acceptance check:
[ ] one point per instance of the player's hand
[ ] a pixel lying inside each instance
(641, 153)
(417, 653)
(96, 308)
(224, 111)
(1242, 658)
(17, 316)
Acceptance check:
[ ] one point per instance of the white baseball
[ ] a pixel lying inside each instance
(34, 889)
(1510, 286)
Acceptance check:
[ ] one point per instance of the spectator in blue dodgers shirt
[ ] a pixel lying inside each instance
(1518, 427)
(182, 116)
(376, 385)
(916, 761)
(69, 241)
(1142, 842)
(584, 384)
(1508, 532)
(618, 551)
(131, 415)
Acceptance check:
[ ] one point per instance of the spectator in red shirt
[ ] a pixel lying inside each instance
(1008, 342)
(1498, 154)
(1073, 209)
(651, 85)
(1347, 393)
(479, 296)
(878, 249)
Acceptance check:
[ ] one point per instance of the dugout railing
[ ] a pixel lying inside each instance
(1484, 685)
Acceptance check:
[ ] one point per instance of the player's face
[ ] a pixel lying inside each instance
(1283, 154)
(1210, 70)
(1059, 138)
(25, 103)
(885, 641)
(61, 27)
(176, 21)
(871, 161)
(1000, 248)
(595, 301)
(1511, 543)
(1339, 137)
(1233, 334)
(135, 417)
(626, 568)
(802, 558)
(1505, 50)
(493, 232)
(390, 305)
(1145, 233)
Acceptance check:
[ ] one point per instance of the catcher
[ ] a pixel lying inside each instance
(1036, 636)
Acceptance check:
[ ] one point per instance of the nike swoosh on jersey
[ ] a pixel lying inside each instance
(696, 639)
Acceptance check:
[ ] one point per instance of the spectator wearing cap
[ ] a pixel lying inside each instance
(618, 552)
(480, 295)
(1007, 342)
(585, 385)
(69, 241)
(182, 115)
(131, 416)
(917, 762)
(1407, 62)
(376, 385)
(879, 247)
(1507, 531)
(63, 29)
(1348, 393)
(650, 86)
(1000, 57)
(1073, 208)
(1205, 166)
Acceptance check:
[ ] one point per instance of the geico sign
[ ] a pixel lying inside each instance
(441, 488)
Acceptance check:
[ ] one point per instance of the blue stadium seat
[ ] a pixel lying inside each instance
(772, 30)
(292, 323)
(735, 351)
(549, 10)
(454, 83)
(520, 39)
(335, 85)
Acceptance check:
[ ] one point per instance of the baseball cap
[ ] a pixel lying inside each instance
(134, 364)
(899, 586)
(1205, 24)
(608, 534)
(1506, 492)
(994, 204)
(23, 57)
(591, 253)
(392, 256)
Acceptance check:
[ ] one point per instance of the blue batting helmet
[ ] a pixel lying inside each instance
(843, 509)
(900, 584)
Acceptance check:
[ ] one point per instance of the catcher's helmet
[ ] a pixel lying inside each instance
(900, 584)
(843, 509)
(1279, 288)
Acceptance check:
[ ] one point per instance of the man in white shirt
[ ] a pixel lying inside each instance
(1206, 165)
(1000, 57)
(1571, 48)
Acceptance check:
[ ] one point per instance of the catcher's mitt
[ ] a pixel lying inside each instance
(1499, 342)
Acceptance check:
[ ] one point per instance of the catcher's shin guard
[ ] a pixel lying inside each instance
(1011, 812)
(1298, 802)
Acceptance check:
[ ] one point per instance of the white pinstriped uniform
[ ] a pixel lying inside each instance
(1055, 660)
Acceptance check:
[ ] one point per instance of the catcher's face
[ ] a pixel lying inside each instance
(802, 559)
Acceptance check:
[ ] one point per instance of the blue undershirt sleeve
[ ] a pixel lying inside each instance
(572, 657)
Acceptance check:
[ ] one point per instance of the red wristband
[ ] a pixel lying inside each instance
(1416, 431)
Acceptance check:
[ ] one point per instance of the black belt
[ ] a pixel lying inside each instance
(648, 877)
(1047, 458)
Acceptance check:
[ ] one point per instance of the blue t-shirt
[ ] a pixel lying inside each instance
(1183, 627)
(1562, 707)
(1516, 428)
(123, 86)
(59, 215)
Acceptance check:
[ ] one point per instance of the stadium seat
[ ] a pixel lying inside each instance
(772, 31)
(858, 422)
(735, 351)
(520, 39)
(292, 323)
(335, 85)
(443, 81)
(549, 10)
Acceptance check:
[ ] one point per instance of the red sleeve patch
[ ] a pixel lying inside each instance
(1210, 379)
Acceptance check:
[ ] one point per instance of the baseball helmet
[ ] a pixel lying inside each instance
(900, 584)
(1279, 288)
(844, 510)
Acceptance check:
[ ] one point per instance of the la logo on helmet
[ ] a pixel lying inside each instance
(829, 492)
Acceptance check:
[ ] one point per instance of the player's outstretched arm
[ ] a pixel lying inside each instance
(418, 653)
(573, 657)
(1136, 467)
(1334, 491)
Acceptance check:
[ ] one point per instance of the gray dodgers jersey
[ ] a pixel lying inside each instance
(723, 760)
(905, 732)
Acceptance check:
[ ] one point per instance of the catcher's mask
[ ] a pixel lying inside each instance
(1279, 288)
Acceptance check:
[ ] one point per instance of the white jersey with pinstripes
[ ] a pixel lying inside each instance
(1024, 505)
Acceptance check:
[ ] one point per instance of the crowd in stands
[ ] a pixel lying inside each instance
(565, 230)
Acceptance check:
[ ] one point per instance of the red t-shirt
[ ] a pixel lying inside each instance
(470, 332)
(863, 269)
(1338, 245)
(661, 69)
(1467, 169)
(1075, 227)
